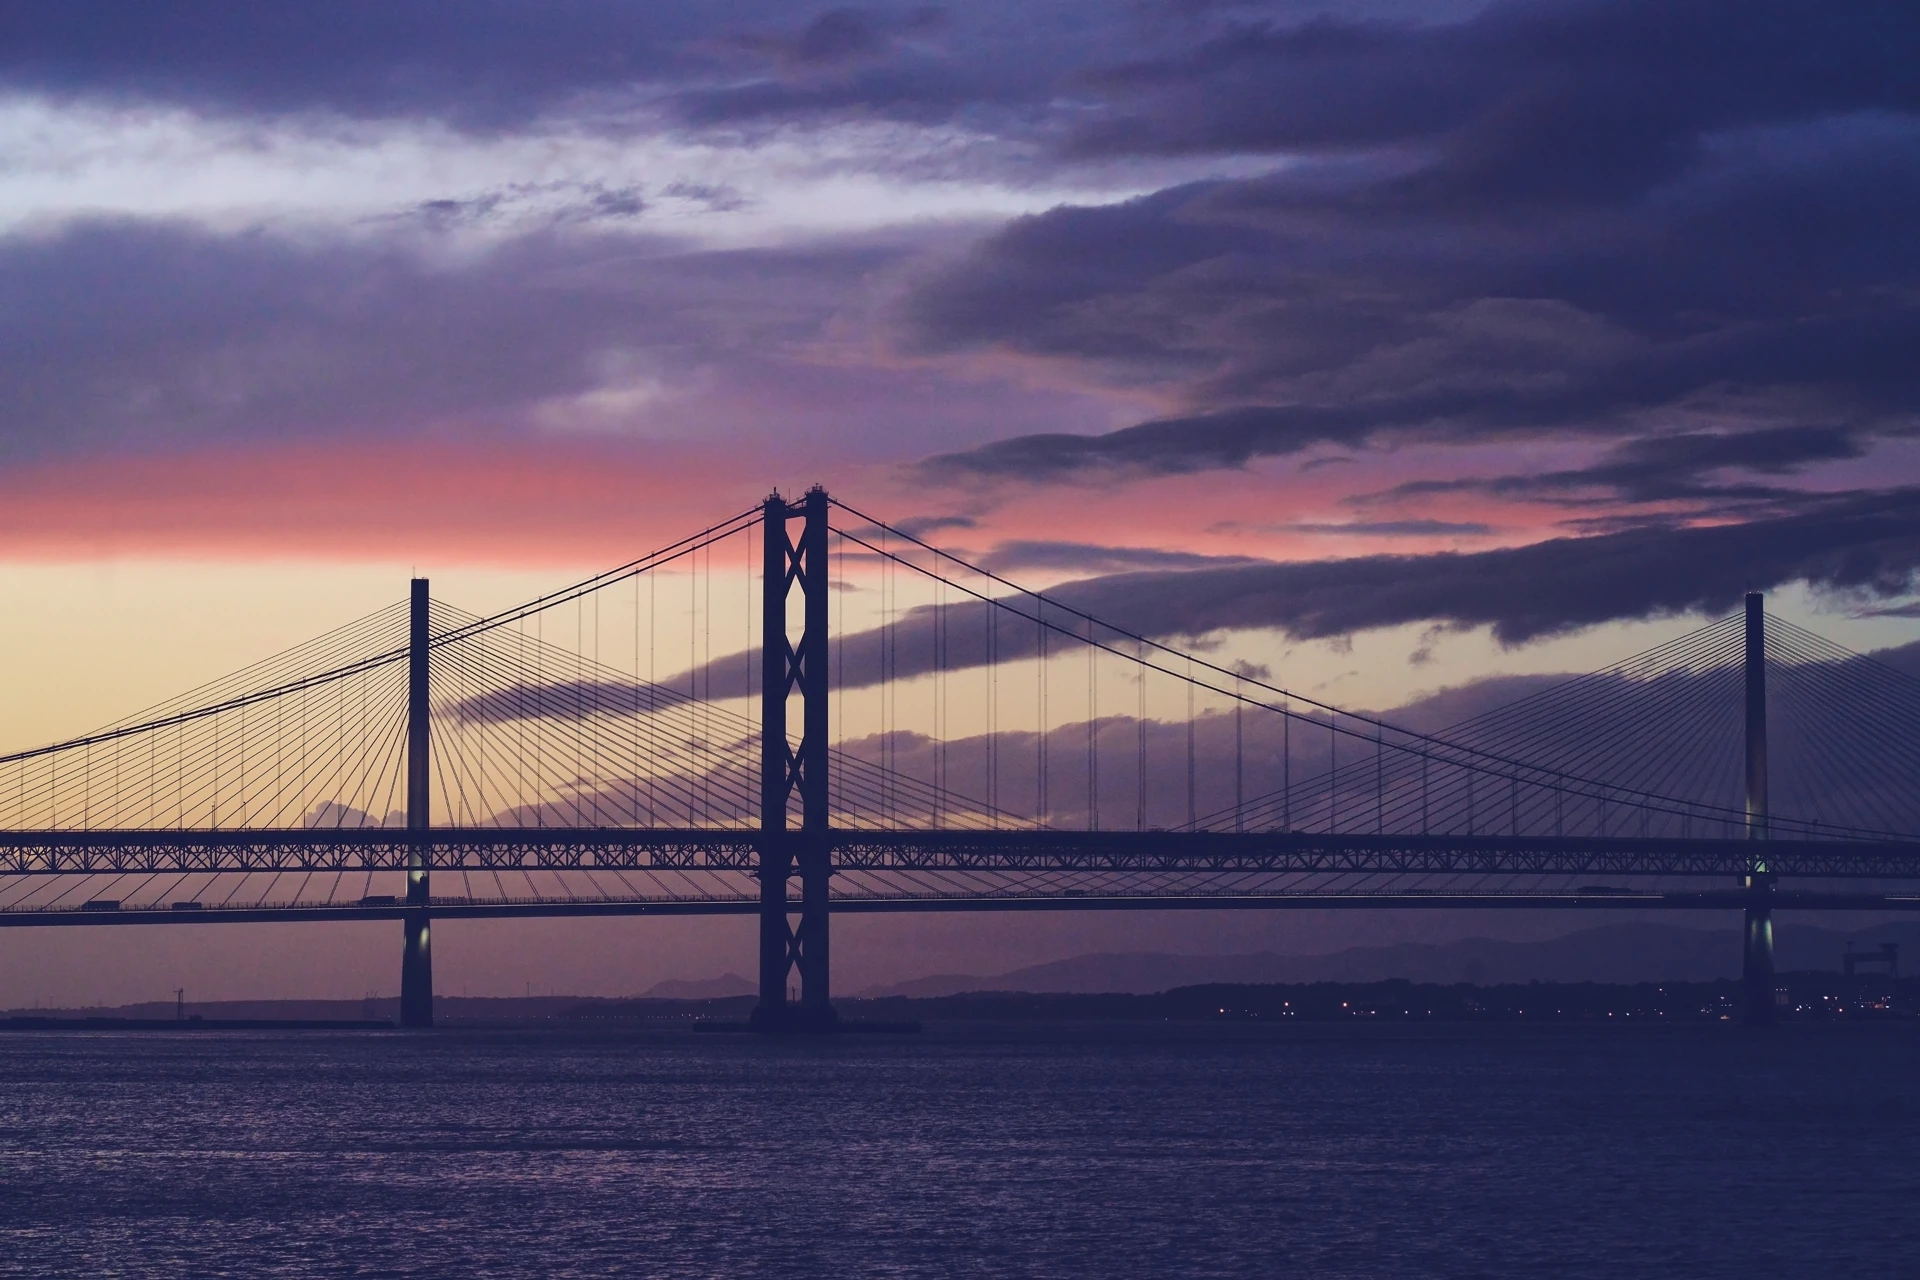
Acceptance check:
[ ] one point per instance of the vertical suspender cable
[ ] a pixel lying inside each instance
(1041, 809)
(1093, 742)
(1140, 725)
(1286, 765)
(993, 711)
(939, 689)
(1333, 772)
(693, 690)
(1239, 762)
(1193, 811)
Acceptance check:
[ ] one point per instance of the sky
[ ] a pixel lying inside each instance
(1457, 339)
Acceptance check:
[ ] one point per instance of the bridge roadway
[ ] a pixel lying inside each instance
(897, 870)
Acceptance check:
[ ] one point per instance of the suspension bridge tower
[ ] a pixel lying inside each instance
(790, 669)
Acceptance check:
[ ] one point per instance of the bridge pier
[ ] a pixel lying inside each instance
(416, 971)
(785, 668)
(1756, 966)
(416, 956)
(776, 934)
(816, 871)
(1756, 959)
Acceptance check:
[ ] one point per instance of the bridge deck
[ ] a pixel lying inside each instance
(191, 876)
(471, 909)
(715, 849)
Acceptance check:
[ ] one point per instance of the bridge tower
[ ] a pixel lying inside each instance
(788, 668)
(1756, 969)
(416, 957)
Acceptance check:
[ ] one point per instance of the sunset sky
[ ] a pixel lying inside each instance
(1507, 337)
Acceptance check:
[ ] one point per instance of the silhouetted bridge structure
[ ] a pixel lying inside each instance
(941, 751)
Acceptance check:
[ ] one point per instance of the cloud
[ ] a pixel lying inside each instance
(1908, 610)
(128, 334)
(1082, 557)
(1664, 468)
(1291, 321)
(492, 66)
(1866, 544)
(841, 37)
(1516, 101)
(834, 38)
(927, 526)
(486, 65)
(1389, 528)
(1744, 262)
(530, 204)
(1545, 221)
(1166, 446)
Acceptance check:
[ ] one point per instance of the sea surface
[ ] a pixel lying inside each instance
(965, 1151)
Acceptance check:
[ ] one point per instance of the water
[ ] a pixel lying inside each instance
(1104, 1151)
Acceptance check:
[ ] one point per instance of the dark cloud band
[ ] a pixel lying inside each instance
(1864, 543)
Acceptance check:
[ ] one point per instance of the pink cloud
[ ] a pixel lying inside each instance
(506, 504)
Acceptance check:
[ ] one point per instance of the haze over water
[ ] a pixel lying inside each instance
(989, 1151)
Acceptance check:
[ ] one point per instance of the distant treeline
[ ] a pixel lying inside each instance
(1806, 996)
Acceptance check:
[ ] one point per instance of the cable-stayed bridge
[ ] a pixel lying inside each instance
(803, 710)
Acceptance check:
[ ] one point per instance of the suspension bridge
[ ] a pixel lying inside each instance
(804, 710)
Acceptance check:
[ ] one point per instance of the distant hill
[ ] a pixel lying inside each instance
(1622, 953)
(1613, 953)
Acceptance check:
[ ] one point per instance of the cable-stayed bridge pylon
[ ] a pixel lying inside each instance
(803, 710)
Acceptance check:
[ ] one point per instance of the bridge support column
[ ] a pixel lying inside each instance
(787, 668)
(1756, 966)
(416, 957)
(1756, 963)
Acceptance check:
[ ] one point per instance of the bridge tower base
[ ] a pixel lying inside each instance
(416, 972)
(787, 668)
(416, 956)
(1756, 968)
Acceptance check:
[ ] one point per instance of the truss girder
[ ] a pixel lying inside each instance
(695, 849)
(1302, 852)
(98, 852)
